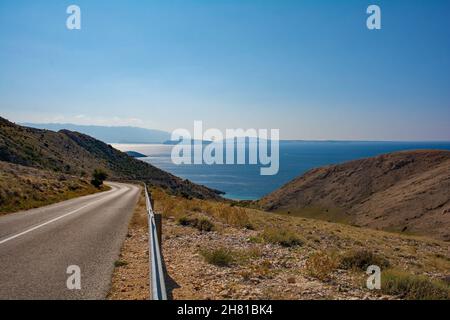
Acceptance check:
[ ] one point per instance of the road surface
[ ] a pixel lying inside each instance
(37, 246)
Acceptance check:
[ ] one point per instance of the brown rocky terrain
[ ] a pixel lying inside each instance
(217, 250)
(403, 191)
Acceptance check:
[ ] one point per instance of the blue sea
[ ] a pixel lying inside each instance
(244, 182)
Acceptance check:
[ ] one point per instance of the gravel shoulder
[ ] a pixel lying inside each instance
(130, 280)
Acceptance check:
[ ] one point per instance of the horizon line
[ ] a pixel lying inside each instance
(281, 140)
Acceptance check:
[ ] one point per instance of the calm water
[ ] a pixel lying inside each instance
(245, 182)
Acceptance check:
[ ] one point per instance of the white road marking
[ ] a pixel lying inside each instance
(53, 220)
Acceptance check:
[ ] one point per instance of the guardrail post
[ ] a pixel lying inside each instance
(158, 223)
(152, 202)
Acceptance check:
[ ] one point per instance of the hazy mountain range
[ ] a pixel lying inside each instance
(108, 134)
(119, 134)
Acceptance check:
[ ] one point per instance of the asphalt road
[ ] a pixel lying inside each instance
(37, 246)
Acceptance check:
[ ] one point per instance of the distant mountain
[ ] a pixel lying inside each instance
(108, 134)
(403, 191)
(246, 140)
(79, 154)
(135, 154)
(184, 142)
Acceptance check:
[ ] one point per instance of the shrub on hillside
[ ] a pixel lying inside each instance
(362, 259)
(98, 177)
(202, 224)
(220, 257)
(283, 237)
(320, 265)
(184, 221)
(412, 287)
(234, 216)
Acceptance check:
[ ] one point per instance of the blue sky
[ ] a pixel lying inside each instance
(310, 68)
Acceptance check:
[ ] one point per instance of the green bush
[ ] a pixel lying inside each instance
(220, 257)
(98, 177)
(362, 259)
(184, 221)
(202, 224)
(412, 287)
(120, 263)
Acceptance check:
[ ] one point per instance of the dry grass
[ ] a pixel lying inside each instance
(283, 237)
(140, 218)
(298, 237)
(180, 207)
(321, 265)
(412, 287)
(201, 224)
(418, 254)
(221, 257)
(23, 188)
(362, 259)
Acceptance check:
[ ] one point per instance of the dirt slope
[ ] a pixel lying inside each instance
(23, 188)
(403, 191)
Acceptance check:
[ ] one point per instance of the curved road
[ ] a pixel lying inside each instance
(37, 246)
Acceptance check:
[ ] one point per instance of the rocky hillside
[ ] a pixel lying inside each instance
(23, 188)
(78, 154)
(242, 253)
(403, 191)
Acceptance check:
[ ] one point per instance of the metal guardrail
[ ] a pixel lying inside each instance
(157, 283)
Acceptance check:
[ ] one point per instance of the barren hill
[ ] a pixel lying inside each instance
(78, 154)
(403, 191)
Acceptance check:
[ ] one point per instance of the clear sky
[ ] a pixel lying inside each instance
(310, 68)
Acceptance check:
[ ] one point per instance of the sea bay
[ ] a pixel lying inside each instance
(244, 182)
